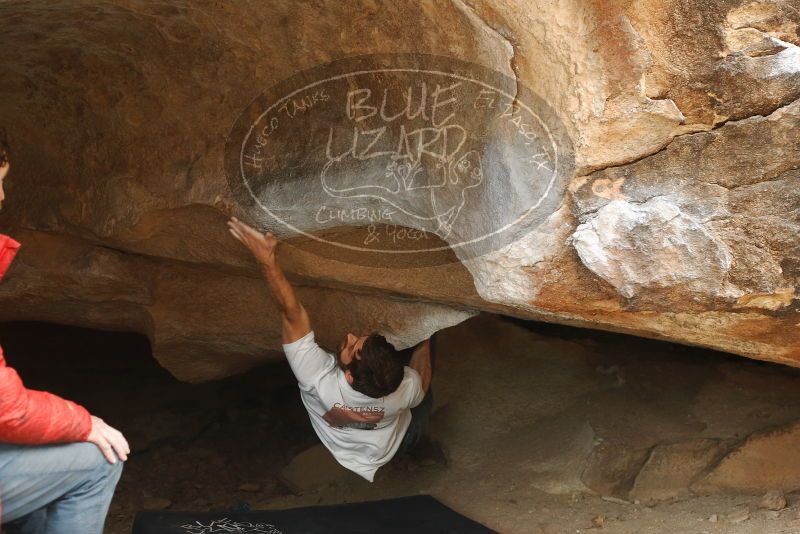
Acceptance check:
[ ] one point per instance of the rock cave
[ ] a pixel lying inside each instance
(595, 205)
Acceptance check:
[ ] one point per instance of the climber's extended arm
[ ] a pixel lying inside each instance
(296, 323)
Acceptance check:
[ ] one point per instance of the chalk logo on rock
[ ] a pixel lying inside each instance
(399, 160)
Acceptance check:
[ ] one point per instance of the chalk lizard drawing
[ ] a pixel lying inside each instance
(406, 188)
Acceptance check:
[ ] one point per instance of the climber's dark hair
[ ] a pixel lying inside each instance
(3, 147)
(379, 370)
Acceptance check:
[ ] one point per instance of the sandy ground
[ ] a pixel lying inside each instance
(520, 409)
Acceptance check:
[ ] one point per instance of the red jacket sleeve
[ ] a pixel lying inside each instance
(8, 249)
(35, 417)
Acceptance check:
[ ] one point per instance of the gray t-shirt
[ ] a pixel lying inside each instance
(361, 432)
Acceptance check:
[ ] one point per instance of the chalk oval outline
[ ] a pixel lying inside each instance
(514, 99)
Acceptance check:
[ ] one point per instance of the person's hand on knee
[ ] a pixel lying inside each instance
(109, 440)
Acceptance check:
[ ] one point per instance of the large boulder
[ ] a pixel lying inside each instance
(672, 211)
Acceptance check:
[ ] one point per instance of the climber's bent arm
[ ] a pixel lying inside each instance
(421, 363)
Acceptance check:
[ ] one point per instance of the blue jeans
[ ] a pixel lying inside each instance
(420, 416)
(55, 489)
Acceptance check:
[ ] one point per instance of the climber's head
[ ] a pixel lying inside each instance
(371, 364)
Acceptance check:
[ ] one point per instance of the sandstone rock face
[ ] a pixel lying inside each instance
(671, 469)
(675, 212)
(761, 463)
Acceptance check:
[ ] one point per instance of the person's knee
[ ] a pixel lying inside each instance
(111, 472)
(105, 477)
(101, 469)
(115, 470)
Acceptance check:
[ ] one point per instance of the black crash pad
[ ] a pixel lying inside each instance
(420, 514)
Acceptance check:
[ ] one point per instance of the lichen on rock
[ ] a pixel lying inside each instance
(654, 244)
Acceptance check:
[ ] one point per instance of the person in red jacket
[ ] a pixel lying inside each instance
(59, 465)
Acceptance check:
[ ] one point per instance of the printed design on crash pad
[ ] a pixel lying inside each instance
(228, 526)
(361, 417)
